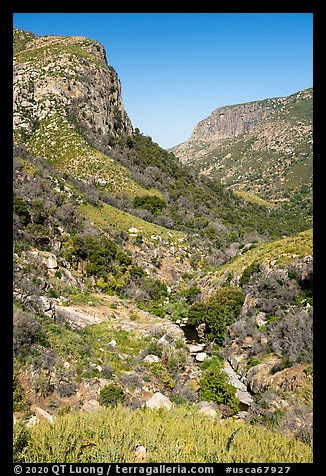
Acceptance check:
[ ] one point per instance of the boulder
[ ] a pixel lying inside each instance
(165, 340)
(32, 421)
(51, 262)
(90, 406)
(158, 400)
(76, 319)
(201, 356)
(44, 303)
(235, 361)
(201, 329)
(195, 348)
(261, 319)
(150, 358)
(241, 390)
(210, 412)
(208, 408)
(42, 414)
(243, 415)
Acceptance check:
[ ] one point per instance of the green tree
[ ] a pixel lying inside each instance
(222, 309)
(152, 203)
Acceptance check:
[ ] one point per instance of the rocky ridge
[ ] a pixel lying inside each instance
(262, 148)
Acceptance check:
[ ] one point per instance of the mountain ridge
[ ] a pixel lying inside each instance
(261, 147)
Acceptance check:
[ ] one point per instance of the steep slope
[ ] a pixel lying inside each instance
(117, 244)
(263, 147)
(61, 86)
(68, 110)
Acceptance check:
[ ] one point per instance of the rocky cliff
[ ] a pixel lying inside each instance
(261, 148)
(66, 72)
(66, 99)
(229, 122)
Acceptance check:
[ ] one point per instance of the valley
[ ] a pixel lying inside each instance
(157, 299)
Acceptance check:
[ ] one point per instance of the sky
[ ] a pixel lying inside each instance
(176, 68)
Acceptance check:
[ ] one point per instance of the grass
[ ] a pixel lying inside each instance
(252, 198)
(280, 251)
(176, 436)
(90, 345)
(119, 220)
(43, 50)
(57, 141)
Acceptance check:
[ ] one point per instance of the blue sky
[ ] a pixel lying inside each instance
(176, 68)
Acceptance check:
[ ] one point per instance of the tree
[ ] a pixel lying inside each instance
(152, 203)
(222, 309)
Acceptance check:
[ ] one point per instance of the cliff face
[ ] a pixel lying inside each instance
(70, 75)
(67, 102)
(261, 148)
(229, 122)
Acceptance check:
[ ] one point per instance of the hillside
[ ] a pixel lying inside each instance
(262, 148)
(140, 283)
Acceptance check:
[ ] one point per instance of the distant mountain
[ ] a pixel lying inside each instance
(261, 148)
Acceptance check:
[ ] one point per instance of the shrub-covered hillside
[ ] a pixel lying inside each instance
(139, 283)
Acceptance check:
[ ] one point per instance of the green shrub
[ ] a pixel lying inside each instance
(136, 271)
(197, 313)
(220, 310)
(20, 208)
(21, 438)
(292, 273)
(214, 387)
(111, 395)
(26, 331)
(191, 293)
(305, 295)
(53, 293)
(19, 399)
(42, 386)
(154, 349)
(152, 203)
(285, 363)
(248, 272)
(98, 253)
(155, 288)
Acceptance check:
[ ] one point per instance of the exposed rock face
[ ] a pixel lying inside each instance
(229, 122)
(241, 389)
(76, 319)
(67, 72)
(262, 148)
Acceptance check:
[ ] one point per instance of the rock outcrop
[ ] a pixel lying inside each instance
(261, 148)
(157, 401)
(229, 122)
(69, 73)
